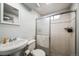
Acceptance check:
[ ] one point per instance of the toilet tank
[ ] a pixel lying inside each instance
(31, 44)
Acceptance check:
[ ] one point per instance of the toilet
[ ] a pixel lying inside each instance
(34, 52)
(38, 52)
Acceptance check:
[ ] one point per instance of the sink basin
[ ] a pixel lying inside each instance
(13, 47)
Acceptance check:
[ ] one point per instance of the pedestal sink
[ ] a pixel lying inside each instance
(13, 47)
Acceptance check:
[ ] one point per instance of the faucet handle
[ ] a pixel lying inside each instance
(14, 38)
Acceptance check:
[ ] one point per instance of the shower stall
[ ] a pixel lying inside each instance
(55, 34)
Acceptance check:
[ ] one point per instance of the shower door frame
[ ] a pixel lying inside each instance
(50, 29)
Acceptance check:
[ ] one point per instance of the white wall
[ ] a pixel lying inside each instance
(27, 24)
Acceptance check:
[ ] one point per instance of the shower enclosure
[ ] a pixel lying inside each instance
(55, 34)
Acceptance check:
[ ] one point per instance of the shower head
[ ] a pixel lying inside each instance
(69, 29)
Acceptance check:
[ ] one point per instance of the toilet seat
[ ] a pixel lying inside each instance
(38, 52)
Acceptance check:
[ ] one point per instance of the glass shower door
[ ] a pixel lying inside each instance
(62, 41)
(43, 34)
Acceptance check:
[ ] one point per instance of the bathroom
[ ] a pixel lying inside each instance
(39, 29)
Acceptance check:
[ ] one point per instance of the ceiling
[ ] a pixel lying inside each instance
(46, 9)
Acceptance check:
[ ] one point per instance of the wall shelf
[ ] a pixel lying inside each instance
(9, 14)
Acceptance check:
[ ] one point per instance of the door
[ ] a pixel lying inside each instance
(43, 34)
(62, 41)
